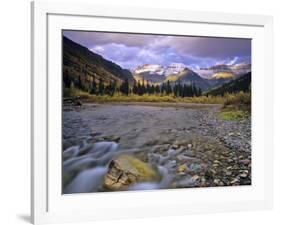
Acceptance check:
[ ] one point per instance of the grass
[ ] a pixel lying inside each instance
(233, 115)
(155, 98)
(87, 97)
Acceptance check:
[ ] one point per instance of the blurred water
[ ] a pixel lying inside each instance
(86, 181)
(87, 170)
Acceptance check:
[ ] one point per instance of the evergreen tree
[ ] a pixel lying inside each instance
(194, 90)
(168, 88)
(152, 89)
(107, 89)
(79, 83)
(143, 90)
(188, 90)
(101, 87)
(127, 87)
(148, 88)
(124, 88)
(157, 89)
(178, 90)
(185, 90)
(114, 86)
(139, 88)
(94, 87)
(135, 88)
(110, 89)
(175, 90)
(163, 88)
(181, 93)
(66, 79)
(199, 92)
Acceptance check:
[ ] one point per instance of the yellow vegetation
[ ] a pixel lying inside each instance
(239, 100)
(223, 75)
(233, 115)
(171, 78)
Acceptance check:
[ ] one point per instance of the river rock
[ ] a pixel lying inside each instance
(218, 182)
(228, 173)
(126, 170)
(182, 168)
(114, 138)
(245, 161)
(243, 175)
(234, 181)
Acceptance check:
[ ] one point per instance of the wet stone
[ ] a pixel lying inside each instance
(126, 170)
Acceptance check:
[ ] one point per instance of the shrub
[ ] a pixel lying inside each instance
(241, 100)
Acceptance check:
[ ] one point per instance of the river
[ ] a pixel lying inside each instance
(169, 135)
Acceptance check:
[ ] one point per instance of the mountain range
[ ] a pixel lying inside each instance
(82, 66)
(178, 72)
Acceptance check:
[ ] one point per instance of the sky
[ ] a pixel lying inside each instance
(132, 50)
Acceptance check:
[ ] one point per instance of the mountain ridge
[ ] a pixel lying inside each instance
(82, 67)
(188, 76)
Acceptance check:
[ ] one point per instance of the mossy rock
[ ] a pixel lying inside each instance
(126, 170)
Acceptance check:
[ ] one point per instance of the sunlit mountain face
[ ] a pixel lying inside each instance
(224, 70)
(164, 55)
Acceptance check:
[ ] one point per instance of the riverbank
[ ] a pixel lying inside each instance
(234, 99)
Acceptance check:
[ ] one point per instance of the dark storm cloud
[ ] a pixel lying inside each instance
(89, 39)
(214, 47)
(131, 50)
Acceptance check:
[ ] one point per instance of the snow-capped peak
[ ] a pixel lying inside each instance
(150, 68)
(173, 68)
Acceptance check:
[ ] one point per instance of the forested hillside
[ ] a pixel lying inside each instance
(241, 84)
(84, 69)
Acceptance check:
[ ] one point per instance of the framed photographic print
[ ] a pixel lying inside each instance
(149, 112)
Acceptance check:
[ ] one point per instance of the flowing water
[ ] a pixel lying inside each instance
(93, 165)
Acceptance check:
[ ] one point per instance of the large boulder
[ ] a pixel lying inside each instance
(126, 170)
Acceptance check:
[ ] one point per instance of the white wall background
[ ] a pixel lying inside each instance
(15, 109)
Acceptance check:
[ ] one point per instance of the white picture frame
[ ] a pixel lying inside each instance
(48, 205)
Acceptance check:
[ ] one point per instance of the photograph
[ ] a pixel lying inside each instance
(144, 111)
